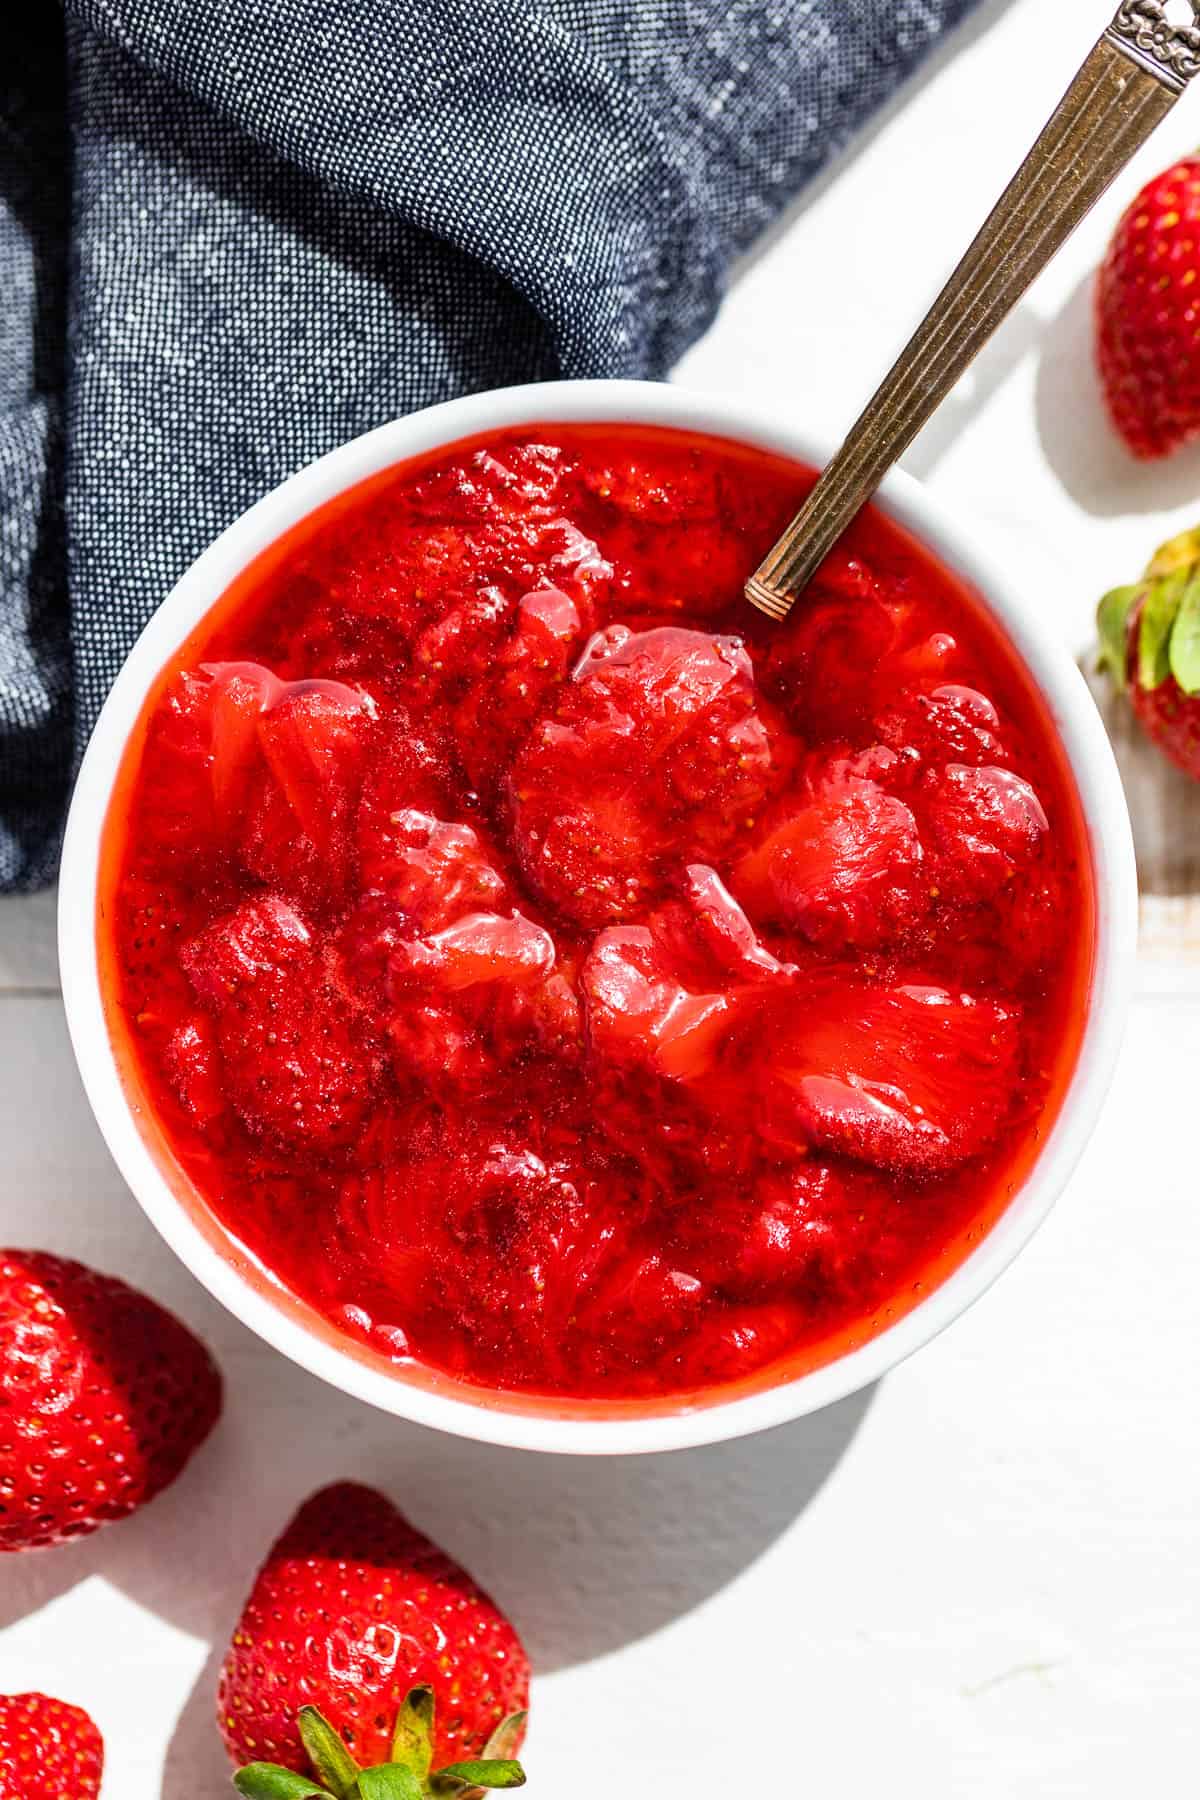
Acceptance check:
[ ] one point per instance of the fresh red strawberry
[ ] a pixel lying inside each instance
(1150, 645)
(1148, 315)
(292, 1064)
(103, 1398)
(351, 1610)
(48, 1750)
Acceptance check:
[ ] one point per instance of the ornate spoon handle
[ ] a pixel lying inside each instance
(1129, 83)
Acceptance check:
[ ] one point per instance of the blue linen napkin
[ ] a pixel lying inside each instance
(235, 234)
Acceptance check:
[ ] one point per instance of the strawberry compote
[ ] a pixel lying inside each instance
(561, 977)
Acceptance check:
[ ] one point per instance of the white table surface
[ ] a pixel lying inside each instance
(982, 1578)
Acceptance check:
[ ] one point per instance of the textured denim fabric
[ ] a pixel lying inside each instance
(234, 234)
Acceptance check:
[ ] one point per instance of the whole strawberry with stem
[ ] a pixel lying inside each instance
(352, 1609)
(48, 1750)
(103, 1398)
(1150, 645)
(409, 1772)
(1148, 315)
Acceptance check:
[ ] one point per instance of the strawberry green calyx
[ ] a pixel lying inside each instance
(1165, 606)
(409, 1775)
(1112, 625)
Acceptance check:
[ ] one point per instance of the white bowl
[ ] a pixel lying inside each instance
(229, 1273)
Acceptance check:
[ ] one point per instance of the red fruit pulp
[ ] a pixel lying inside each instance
(561, 977)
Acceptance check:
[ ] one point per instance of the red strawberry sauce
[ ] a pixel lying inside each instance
(559, 976)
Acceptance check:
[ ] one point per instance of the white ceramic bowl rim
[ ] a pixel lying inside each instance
(1073, 713)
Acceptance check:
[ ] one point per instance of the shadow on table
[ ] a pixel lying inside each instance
(587, 1554)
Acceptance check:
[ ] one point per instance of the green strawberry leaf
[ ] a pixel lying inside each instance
(391, 1782)
(331, 1761)
(1180, 552)
(1184, 648)
(267, 1781)
(506, 1739)
(1112, 623)
(1159, 613)
(490, 1774)
(412, 1742)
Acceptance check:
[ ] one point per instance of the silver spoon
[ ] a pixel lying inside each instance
(1128, 84)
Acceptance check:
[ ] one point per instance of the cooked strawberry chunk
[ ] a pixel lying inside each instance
(658, 490)
(656, 751)
(459, 1004)
(465, 636)
(314, 737)
(637, 1012)
(494, 716)
(736, 1341)
(476, 949)
(200, 758)
(945, 723)
(193, 1065)
(271, 770)
(667, 997)
(435, 869)
(720, 928)
(641, 1302)
(260, 940)
(927, 662)
(816, 1226)
(291, 1066)
(699, 573)
(444, 1047)
(238, 696)
(488, 1243)
(987, 824)
(822, 668)
(846, 868)
(523, 481)
(813, 1229)
(479, 536)
(911, 1078)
